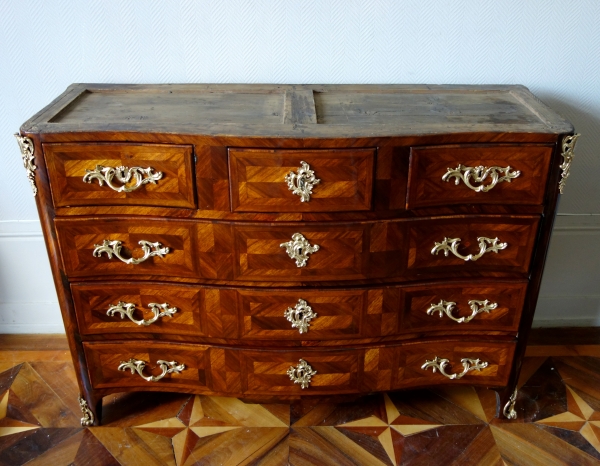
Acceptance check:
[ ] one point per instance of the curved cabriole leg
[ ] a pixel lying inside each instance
(90, 418)
(509, 408)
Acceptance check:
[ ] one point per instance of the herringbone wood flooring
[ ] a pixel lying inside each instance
(558, 423)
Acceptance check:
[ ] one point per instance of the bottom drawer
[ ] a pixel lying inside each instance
(276, 372)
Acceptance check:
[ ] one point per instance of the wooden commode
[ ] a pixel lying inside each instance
(273, 242)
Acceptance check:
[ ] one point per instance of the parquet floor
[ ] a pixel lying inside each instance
(558, 408)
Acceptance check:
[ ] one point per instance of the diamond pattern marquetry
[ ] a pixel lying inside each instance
(580, 417)
(558, 422)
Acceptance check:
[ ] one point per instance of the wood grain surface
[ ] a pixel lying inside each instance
(508, 297)
(557, 423)
(92, 303)
(69, 163)
(429, 164)
(242, 314)
(105, 358)
(79, 239)
(378, 217)
(257, 179)
(519, 234)
(263, 372)
(340, 313)
(260, 110)
(254, 252)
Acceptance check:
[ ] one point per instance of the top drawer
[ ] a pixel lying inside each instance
(296, 180)
(478, 174)
(120, 174)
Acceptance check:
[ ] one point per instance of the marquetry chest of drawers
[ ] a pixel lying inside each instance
(279, 242)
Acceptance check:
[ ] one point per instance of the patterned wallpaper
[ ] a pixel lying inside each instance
(553, 47)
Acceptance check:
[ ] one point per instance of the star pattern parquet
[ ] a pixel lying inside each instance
(558, 423)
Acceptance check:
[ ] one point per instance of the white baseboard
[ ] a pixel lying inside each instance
(32, 328)
(553, 323)
(28, 302)
(568, 311)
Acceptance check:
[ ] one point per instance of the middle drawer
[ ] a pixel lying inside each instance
(298, 314)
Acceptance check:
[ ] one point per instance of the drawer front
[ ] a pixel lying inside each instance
(416, 363)
(115, 307)
(475, 306)
(475, 244)
(88, 174)
(104, 360)
(378, 249)
(345, 251)
(267, 372)
(465, 307)
(103, 247)
(468, 246)
(440, 175)
(298, 314)
(301, 314)
(235, 371)
(265, 180)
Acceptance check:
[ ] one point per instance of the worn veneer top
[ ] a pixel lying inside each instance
(322, 111)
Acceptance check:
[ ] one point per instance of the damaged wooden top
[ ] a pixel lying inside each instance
(270, 110)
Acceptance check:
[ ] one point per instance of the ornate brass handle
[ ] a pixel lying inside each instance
(300, 315)
(302, 183)
(299, 249)
(127, 309)
(446, 307)
(137, 365)
(441, 364)
(451, 245)
(114, 248)
(123, 175)
(301, 374)
(479, 175)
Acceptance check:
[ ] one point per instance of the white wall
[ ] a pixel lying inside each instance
(551, 46)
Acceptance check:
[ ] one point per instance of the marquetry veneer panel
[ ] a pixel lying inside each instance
(507, 296)
(254, 252)
(265, 371)
(258, 179)
(104, 359)
(254, 315)
(410, 266)
(79, 239)
(68, 163)
(234, 371)
(343, 254)
(518, 233)
(93, 301)
(429, 164)
(411, 357)
(340, 314)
